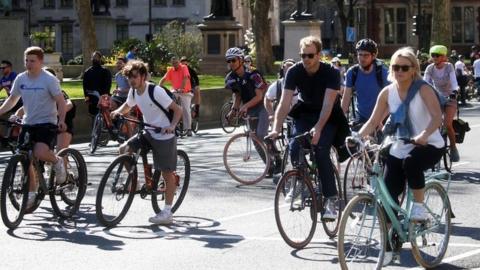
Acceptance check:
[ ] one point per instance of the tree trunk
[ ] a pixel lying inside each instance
(345, 20)
(87, 31)
(261, 30)
(441, 23)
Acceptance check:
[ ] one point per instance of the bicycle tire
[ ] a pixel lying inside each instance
(366, 203)
(76, 185)
(331, 227)
(447, 160)
(226, 125)
(183, 173)
(430, 261)
(355, 179)
(195, 125)
(96, 133)
(300, 219)
(127, 187)
(245, 148)
(14, 193)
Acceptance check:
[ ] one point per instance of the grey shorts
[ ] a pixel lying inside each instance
(164, 151)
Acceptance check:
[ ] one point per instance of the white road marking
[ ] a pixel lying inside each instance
(458, 257)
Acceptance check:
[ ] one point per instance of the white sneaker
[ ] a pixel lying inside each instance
(31, 199)
(162, 218)
(60, 172)
(330, 211)
(387, 259)
(419, 212)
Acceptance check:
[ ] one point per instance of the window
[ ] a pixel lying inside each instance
(50, 41)
(48, 3)
(15, 3)
(122, 31)
(395, 20)
(213, 41)
(67, 41)
(463, 25)
(66, 3)
(162, 3)
(122, 3)
(361, 23)
(178, 3)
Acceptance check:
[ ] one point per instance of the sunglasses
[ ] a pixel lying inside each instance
(364, 54)
(305, 55)
(403, 68)
(231, 60)
(435, 55)
(248, 61)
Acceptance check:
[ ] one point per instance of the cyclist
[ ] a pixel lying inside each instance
(43, 102)
(179, 77)
(121, 90)
(248, 89)
(409, 160)
(476, 74)
(462, 78)
(368, 78)
(195, 83)
(317, 109)
(274, 92)
(96, 78)
(441, 74)
(248, 62)
(6, 81)
(164, 144)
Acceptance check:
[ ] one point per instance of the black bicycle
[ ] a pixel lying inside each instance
(119, 183)
(65, 197)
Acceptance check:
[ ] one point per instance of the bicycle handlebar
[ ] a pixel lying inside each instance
(141, 123)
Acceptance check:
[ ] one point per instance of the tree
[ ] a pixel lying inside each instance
(87, 30)
(346, 19)
(441, 23)
(261, 25)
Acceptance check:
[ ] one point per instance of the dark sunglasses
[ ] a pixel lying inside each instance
(232, 60)
(404, 68)
(305, 55)
(435, 55)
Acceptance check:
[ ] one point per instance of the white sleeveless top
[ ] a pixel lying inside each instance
(420, 119)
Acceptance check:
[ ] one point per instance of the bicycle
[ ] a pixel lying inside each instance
(65, 198)
(103, 127)
(363, 233)
(195, 119)
(9, 140)
(229, 124)
(119, 183)
(246, 157)
(299, 199)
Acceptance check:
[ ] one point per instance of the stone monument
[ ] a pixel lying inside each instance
(300, 24)
(12, 42)
(220, 31)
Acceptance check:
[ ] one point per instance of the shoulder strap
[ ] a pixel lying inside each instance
(379, 73)
(279, 89)
(354, 74)
(151, 89)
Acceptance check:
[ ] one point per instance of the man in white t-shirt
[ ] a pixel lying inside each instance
(163, 144)
(462, 78)
(476, 74)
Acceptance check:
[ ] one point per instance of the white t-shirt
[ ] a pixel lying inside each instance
(460, 65)
(476, 68)
(272, 93)
(152, 114)
(420, 119)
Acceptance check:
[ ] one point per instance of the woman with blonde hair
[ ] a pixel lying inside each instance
(424, 117)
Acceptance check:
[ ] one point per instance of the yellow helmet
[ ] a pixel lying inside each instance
(438, 49)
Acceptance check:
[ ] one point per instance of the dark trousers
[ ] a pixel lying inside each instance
(411, 169)
(322, 151)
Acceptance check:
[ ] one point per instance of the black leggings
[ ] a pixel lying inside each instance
(411, 168)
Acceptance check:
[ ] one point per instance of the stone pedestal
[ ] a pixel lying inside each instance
(295, 31)
(12, 42)
(218, 36)
(52, 60)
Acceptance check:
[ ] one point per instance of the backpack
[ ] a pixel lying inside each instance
(378, 73)
(151, 89)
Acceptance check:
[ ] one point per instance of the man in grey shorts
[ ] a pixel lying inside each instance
(163, 144)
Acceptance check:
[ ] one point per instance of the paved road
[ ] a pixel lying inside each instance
(220, 225)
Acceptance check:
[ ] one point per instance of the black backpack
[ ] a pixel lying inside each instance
(378, 73)
(151, 89)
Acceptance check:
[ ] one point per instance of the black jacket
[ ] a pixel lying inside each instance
(97, 78)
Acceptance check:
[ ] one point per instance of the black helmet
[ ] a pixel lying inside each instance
(366, 44)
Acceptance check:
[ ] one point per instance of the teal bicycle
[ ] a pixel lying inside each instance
(363, 234)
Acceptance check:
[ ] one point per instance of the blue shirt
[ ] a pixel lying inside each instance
(130, 56)
(367, 89)
(7, 81)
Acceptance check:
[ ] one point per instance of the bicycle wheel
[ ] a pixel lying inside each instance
(362, 235)
(430, 239)
(14, 193)
(70, 194)
(182, 175)
(286, 162)
(116, 190)
(96, 132)
(246, 159)
(331, 226)
(295, 209)
(355, 179)
(447, 161)
(227, 126)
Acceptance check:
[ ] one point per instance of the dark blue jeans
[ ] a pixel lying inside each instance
(322, 151)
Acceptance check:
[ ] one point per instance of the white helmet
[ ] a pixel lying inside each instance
(233, 53)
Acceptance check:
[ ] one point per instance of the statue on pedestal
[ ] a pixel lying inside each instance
(220, 10)
(96, 4)
(306, 14)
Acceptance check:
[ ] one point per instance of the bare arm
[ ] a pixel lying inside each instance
(61, 108)
(379, 112)
(8, 104)
(177, 114)
(346, 99)
(268, 106)
(124, 109)
(162, 80)
(433, 106)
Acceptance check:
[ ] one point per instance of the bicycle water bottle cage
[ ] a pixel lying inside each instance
(105, 102)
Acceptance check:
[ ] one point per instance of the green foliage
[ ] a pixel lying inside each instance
(40, 39)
